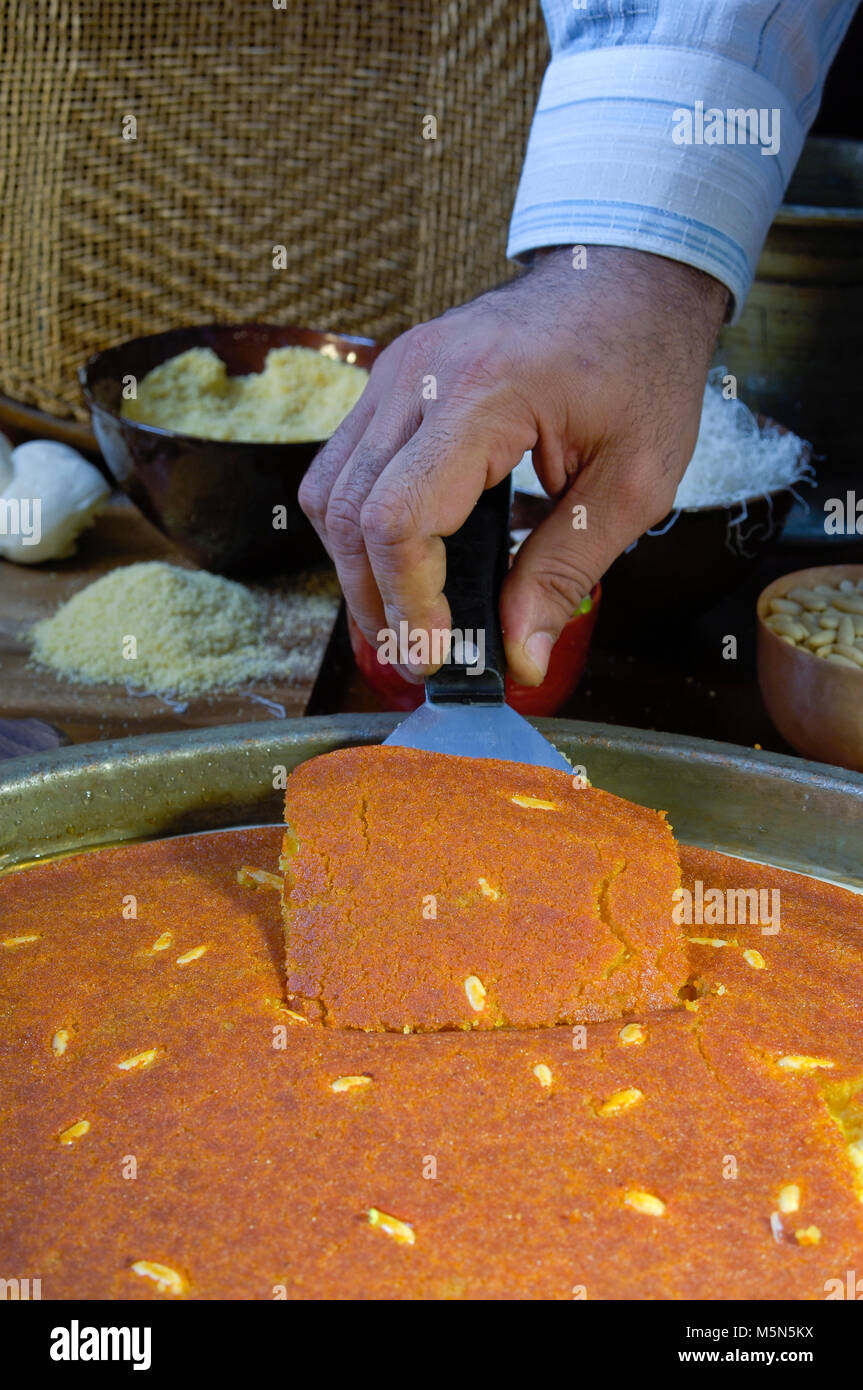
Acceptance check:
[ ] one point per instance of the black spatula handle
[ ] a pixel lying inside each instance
(477, 558)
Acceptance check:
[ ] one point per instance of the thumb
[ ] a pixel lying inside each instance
(557, 566)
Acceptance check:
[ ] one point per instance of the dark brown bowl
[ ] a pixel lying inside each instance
(213, 498)
(674, 577)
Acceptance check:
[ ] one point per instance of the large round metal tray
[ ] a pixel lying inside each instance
(783, 811)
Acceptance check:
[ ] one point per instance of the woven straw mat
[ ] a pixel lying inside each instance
(255, 127)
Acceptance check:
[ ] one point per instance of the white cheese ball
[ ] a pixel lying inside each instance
(53, 495)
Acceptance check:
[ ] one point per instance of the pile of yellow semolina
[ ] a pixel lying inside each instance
(193, 631)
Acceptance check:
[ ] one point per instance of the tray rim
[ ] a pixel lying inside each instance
(153, 785)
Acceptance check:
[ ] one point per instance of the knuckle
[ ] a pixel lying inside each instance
(343, 521)
(563, 584)
(402, 365)
(385, 362)
(312, 496)
(386, 519)
(421, 358)
(413, 346)
(479, 369)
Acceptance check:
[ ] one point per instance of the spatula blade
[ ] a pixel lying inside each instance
(476, 731)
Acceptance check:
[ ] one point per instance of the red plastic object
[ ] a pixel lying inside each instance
(565, 669)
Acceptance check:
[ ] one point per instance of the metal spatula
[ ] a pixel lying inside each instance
(465, 711)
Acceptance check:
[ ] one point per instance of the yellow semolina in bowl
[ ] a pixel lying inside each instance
(301, 395)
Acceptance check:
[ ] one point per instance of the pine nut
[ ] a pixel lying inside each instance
(621, 1100)
(852, 654)
(399, 1231)
(644, 1202)
(795, 1061)
(475, 991)
(810, 600)
(188, 956)
(810, 1235)
(350, 1083)
(249, 877)
(74, 1132)
(785, 626)
(845, 630)
(166, 1279)
(825, 620)
(139, 1061)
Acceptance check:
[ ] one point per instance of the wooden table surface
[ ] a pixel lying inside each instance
(82, 714)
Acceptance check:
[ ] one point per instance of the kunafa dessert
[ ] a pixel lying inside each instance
(173, 1126)
(424, 891)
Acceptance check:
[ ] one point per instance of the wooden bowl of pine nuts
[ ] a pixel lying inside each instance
(810, 661)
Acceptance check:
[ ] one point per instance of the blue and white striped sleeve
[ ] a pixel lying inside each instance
(673, 126)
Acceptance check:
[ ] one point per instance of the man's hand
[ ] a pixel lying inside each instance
(600, 371)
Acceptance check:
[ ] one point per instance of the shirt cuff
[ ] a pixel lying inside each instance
(608, 161)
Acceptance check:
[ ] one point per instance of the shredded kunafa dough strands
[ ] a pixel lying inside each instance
(735, 459)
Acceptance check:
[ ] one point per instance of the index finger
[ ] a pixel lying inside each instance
(325, 467)
(426, 492)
